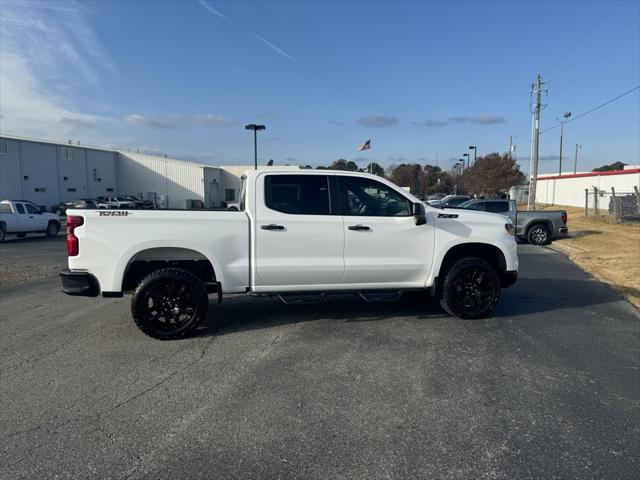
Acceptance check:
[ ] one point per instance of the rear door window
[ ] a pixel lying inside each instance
(298, 194)
(20, 208)
(497, 207)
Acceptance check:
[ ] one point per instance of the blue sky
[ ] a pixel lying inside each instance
(419, 78)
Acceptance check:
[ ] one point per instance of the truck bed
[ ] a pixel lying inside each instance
(116, 236)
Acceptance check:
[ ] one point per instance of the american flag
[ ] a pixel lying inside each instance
(364, 146)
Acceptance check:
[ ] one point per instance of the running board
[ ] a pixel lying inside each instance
(374, 297)
(302, 298)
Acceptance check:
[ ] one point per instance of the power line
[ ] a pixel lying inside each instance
(595, 108)
(604, 56)
(579, 39)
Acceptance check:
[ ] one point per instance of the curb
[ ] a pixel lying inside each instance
(562, 248)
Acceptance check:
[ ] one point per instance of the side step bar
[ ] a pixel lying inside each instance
(301, 298)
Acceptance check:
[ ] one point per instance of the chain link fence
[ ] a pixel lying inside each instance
(617, 206)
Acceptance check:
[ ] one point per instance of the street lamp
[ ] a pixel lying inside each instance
(475, 152)
(461, 164)
(255, 128)
(564, 119)
(466, 155)
(575, 160)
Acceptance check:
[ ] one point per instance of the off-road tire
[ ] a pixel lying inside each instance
(159, 292)
(464, 297)
(539, 234)
(52, 229)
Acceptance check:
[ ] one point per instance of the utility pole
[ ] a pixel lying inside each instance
(535, 141)
(575, 159)
(510, 145)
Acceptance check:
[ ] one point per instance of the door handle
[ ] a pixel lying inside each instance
(272, 226)
(359, 228)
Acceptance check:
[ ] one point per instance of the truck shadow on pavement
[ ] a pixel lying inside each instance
(34, 238)
(523, 301)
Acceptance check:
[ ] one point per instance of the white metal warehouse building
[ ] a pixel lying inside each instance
(48, 173)
(569, 189)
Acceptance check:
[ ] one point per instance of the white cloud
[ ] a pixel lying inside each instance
(211, 120)
(377, 121)
(161, 121)
(210, 9)
(480, 119)
(273, 47)
(174, 120)
(430, 123)
(47, 51)
(28, 110)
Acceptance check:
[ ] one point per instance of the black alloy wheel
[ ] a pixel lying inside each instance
(471, 288)
(169, 303)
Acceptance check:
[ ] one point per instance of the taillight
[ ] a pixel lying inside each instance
(73, 246)
(564, 217)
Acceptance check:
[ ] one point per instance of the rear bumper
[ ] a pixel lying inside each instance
(563, 231)
(509, 278)
(81, 284)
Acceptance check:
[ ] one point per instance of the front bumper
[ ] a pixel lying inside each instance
(509, 278)
(81, 284)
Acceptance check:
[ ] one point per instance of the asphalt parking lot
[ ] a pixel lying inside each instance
(548, 388)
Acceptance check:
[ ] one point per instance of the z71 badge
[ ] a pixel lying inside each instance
(447, 215)
(113, 213)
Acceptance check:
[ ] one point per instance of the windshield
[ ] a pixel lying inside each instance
(466, 204)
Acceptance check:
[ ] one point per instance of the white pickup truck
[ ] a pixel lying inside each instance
(299, 236)
(22, 217)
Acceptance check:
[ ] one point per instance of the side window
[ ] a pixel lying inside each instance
(31, 209)
(298, 194)
(366, 197)
(20, 208)
(498, 207)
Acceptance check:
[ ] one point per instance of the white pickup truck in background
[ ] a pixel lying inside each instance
(303, 234)
(22, 217)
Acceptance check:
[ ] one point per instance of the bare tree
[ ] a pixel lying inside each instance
(491, 175)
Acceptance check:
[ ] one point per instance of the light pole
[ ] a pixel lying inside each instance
(255, 128)
(475, 152)
(575, 160)
(565, 117)
(468, 162)
(461, 165)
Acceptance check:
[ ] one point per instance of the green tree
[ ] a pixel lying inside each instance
(610, 167)
(375, 169)
(408, 175)
(342, 164)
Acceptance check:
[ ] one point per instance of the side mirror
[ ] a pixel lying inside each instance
(419, 213)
